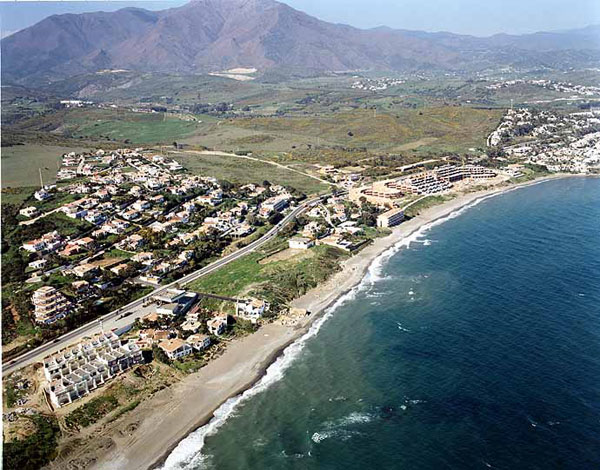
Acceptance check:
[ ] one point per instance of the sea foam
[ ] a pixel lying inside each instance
(188, 454)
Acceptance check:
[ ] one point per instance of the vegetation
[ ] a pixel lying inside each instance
(279, 281)
(425, 203)
(92, 411)
(37, 449)
(242, 171)
(21, 164)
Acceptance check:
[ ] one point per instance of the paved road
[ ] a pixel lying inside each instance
(127, 314)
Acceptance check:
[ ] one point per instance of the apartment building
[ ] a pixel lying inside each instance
(390, 218)
(50, 305)
(78, 370)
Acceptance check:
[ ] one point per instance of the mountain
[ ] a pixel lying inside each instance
(210, 35)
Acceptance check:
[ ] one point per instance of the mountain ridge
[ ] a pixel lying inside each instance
(210, 35)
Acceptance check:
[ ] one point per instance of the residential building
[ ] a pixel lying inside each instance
(217, 326)
(175, 348)
(29, 211)
(78, 370)
(300, 243)
(390, 218)
(274, 204)
(199, 342)
(251, 309)
(50, 305)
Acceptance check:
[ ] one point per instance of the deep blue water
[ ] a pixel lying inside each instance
(476, 347)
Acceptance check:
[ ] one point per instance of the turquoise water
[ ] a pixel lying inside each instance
(478, 346)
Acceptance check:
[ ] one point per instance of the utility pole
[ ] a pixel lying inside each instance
(41, 180)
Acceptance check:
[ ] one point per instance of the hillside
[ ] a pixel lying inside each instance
(213, 35)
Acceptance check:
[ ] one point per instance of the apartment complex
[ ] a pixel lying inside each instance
(453, 173)
(274, 204)
(75, 371)
(50, 305)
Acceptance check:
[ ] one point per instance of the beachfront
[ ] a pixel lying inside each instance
(174, 412)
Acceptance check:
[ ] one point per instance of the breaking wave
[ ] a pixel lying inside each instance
(188, 453)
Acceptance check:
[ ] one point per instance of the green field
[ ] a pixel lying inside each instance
(21, 164)
(241, 170)
(278, 281)
(434, 129)
(142, 128)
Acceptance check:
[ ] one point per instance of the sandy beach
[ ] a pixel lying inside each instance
(143, 438)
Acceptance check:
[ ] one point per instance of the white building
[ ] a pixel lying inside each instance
(175, 348)
(217, 326)
(50, 305)
(300, 243)
(390, 218)
(251, 309)
(199, 342)
(77, 370)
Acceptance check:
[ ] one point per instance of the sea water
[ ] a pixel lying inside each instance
(473, 344)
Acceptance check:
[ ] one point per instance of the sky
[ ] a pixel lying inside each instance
(476, 17)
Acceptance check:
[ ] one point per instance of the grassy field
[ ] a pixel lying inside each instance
(441, 129)
(279, 281)
(138, 128)
(21, 164)
(238, 170)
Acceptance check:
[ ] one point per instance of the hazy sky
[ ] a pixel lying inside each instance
(477, 17)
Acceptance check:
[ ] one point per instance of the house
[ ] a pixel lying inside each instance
(300, 243)
(38, 263)
(95, 217)
(85, 242)
(390, 218)
(158, 199)
(217, 326)
(141, 205)
(132, 242)
(251, 309)
(70, 250)
(34, 246)
(145, 258)
(119, 269)
(80, 287)
(85, 270)
(175, 348)
(199, 342)
(74, 211)
(191, 325)
(131, 214)
(29, 211)
(42, 195)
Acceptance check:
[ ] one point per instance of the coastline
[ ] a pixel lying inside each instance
(146, 437)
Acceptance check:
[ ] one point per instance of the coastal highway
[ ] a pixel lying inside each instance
(127, 314)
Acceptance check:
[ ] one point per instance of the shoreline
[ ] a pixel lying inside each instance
(146, 438)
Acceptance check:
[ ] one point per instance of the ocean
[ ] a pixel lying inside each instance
(473, 344)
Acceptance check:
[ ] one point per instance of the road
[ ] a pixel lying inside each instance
(127, 314)
(261, 160)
